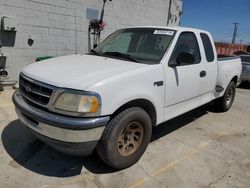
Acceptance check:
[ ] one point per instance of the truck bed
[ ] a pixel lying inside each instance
(228, 66)
(226, 57)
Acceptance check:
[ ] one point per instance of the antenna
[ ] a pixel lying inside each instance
(235, 34)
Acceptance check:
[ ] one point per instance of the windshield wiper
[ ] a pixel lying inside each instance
(92, 51)
(118, 54)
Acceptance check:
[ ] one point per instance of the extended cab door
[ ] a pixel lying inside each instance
(210, 60)
(186, 81)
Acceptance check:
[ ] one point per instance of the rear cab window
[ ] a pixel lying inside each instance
(209, 52)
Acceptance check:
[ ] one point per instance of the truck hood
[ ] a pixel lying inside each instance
(77, 71)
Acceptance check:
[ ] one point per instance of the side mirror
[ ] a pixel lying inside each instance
(172, 64)
(185, 58)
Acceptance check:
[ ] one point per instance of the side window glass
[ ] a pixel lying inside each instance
(207, 47)
(187, 43)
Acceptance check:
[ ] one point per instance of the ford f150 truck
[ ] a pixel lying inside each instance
(111, 98)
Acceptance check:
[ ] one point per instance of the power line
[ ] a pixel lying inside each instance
(235, 34)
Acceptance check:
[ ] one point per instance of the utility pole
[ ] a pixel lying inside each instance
(169, 11)
(236, 26)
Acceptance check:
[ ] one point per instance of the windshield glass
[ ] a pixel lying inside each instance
(142, 45)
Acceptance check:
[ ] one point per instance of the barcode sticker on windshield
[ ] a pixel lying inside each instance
(164, 32)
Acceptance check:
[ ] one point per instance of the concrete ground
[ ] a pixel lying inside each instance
(198, 149)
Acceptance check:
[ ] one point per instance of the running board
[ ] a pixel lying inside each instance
(219, 88)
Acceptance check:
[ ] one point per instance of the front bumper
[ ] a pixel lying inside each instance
(72, 135)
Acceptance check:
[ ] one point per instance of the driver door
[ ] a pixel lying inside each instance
(185, 82)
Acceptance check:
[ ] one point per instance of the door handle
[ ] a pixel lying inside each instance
(159, 83)
(203, 74)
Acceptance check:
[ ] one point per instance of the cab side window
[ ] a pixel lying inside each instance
(187, 43)
(207, 47)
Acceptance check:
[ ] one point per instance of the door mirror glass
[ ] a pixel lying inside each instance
(185, 58)
(172, 64)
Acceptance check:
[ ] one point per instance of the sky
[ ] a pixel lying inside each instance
(217, 17)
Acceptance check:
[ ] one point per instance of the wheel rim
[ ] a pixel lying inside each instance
(229, 96)
(130, 139)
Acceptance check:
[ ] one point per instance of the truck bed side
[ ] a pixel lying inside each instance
(228, 68)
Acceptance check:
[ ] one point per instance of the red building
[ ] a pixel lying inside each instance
(230, 49)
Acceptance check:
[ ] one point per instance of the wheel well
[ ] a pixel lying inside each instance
(235, 79)
(142, 103)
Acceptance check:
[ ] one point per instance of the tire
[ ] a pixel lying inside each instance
(125, 138)
(224, 103)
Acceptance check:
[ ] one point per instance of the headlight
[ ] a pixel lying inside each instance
(77, 103)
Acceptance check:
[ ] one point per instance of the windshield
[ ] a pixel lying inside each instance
(142, 45)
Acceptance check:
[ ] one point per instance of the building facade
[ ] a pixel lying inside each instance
(38, 28)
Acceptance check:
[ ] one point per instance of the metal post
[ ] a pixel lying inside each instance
(89, 39)
(169, 11)
(76, 32)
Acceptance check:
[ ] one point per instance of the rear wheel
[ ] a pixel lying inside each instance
(224, 103)
(125, 138)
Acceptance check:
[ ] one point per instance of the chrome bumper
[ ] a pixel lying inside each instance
(58, 127)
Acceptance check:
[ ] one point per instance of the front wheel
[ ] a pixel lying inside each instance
(125, 138)
(224, 103)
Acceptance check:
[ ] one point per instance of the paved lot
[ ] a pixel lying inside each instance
(198, 149)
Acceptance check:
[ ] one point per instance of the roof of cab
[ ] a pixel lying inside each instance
(177, 28)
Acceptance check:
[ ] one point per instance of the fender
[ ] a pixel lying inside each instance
(120, 89)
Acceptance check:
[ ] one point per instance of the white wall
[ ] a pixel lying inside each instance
(52, 24)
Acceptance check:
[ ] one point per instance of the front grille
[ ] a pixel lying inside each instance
(34, 91)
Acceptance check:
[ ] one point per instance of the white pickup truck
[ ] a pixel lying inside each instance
(111, 98)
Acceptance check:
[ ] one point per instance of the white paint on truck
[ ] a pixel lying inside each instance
(121, 86)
